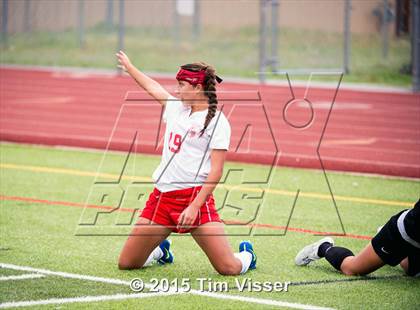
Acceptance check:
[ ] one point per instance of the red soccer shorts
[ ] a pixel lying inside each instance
(165, 208)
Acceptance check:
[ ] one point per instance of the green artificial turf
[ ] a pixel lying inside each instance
(46, 234)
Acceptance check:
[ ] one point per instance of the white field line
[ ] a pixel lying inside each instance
(262, 301)
(22, 277)
(67, 275)
(15, 304)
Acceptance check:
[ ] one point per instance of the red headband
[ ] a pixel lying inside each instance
(194, 77)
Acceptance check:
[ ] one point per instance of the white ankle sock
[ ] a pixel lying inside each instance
(154, 256)
(157, 253)
(245, 258)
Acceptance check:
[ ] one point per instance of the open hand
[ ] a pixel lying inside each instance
(123, 60)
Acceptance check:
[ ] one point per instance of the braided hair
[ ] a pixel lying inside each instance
(209, 88)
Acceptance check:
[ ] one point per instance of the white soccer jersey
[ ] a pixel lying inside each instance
(186, 156)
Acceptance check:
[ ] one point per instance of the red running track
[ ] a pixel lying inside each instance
(374, 132)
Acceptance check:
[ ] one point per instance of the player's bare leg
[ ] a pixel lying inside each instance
(144, 238)
(404, 264)
(211, 238)
(363, 263)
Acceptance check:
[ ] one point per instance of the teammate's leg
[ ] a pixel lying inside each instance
(363, 263)
(404, 264)
(211, 238)
(341, 258)
(140, 246)
(411, 264)
(368, 261)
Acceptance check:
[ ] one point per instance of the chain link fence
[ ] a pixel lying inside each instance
(241, 38)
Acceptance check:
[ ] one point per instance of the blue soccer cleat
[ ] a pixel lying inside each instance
(247, 246)
(168, 256)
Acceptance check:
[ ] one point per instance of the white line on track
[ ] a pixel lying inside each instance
(109, 73)
(262, 301)
(22, 277)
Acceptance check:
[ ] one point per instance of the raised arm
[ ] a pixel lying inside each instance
(149, 85)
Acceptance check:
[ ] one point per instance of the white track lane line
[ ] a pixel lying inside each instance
(262, 301)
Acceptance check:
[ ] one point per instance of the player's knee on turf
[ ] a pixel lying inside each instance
(404, 265)
(124, 266)
(228, 269)
(127, 264)
(349, 268)
(348, 271)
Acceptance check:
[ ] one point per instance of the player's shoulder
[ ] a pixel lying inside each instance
(174, 103)
(173, 100)
(173, 108)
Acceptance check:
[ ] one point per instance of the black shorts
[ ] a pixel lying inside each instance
(392, 248)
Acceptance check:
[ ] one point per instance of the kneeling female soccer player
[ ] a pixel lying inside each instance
(196, 140)
(397, 242)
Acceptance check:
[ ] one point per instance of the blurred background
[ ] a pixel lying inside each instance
(371, 40)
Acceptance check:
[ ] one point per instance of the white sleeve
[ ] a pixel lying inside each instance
(220, 136)
(173, 108)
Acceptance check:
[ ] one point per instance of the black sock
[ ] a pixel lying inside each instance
(335, 256)
(323, 248)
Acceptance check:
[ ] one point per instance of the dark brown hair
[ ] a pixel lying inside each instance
(209, 88)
